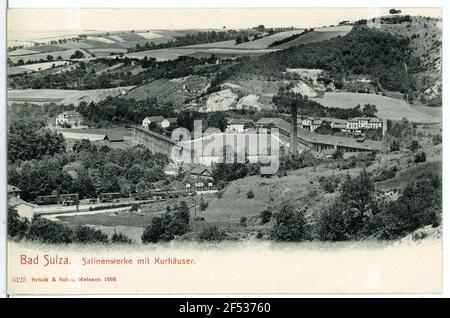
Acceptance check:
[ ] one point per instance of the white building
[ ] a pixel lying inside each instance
(69, 119)
(155, 121)
(239, 125)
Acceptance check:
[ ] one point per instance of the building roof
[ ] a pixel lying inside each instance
(240, 121)
(275, 121)
(311, 137)
(172, 120)
(71, 114)
(200, 169)
(375, 120)
(155, 119)
(317, 122)
(349, 142)
(113, 137)
(15, 201)
(12, 188)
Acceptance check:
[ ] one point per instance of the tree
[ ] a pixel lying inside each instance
(181, 219)
(87, 235)
(28, 139)
(394, 145)
(77, 55)
(120, 238)
(250, 194)
(50, 58)
(420, 157)
(212, 234)
(290, 225)
(160, 229)
(418, 206)
(46, 231)
(369, 110)
(338, 154)
(414, 146)
(17, 226)
(217, 120)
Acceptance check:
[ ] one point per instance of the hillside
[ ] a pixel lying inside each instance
(425, 35)
(320, 34)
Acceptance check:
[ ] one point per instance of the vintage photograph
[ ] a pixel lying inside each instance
(151, 129)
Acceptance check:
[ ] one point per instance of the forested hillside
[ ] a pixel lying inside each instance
(362, 51)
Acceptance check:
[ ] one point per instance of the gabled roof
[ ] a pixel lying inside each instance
(113, 137)
(15, 201)
(155, 119)
(317, 122)
(200, 169)
(172, 120)
(12, 188)
(240, 121)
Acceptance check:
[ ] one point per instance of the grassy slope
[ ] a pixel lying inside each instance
(311, 37)
(388, 108)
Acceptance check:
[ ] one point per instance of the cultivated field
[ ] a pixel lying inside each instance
(35, 67)
(319, 34)
(65, 97)
(171, 90)
(258, 44)
(65, 55)
(388, 108)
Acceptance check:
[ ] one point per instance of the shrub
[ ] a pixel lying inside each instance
(420, 157)
(265, 216)
(414, 146)
(338, 154)
(259, 235)
(212, 234)
(312, 193)
(134, 207)
(250, 194)
(290, 225)
(437, 139)
(203, 205)
(17, 226)
(330, 224)
(86, 234)
(164, 228)
(120, 238)
(330, 183)
(47, 231)
(394, 145)
(160, 229)
(243, 221)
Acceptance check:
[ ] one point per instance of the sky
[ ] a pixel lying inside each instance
(26, 24)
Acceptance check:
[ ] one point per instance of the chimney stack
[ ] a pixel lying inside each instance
(293, 142)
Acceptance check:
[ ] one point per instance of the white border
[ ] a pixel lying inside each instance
(222, 4)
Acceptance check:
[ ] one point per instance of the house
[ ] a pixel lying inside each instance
(306, 123)
(14, 191)
(112, 138)
(316, 123)
(69, 119)
(24, 209)
(171, 170)
(239, 124)
(201, 172)
(339, 124)
(274, 122)
(172, 122)
(155, 121)
(359, 124)
(375, 123)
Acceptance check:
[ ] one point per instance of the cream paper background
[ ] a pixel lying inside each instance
(245, 267)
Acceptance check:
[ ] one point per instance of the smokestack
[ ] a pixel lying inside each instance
(293, 142)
